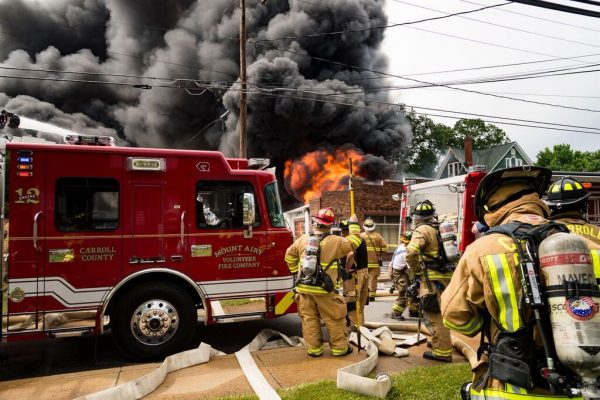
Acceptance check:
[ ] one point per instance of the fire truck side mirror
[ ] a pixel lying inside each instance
(249, 215)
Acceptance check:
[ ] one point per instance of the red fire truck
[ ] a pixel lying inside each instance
(453, 198)
(144, 242)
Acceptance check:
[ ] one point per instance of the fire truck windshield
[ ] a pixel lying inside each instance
(274, 205)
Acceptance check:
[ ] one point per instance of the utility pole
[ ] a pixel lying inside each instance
(243, 103)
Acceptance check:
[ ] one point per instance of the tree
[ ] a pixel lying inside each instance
(484, 135)
(563, 158)
(431, 140)
(422, 154)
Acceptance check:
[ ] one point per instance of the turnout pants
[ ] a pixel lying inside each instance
(441, 343)
(362, 275)
(401, 281)
(373, 275)
(331, 308)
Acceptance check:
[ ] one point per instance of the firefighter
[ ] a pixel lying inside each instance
(400, 276)
(359, 281)
(483, 295)
(315, 302)
(376, 246)
(423, 258)
(567, 198)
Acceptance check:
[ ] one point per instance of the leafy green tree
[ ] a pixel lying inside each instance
(484, 135)
(431, 140)
(422, 154)
(563, 158)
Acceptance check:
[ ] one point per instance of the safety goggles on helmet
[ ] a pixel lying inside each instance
(566, 191)
(405, 237)
(325, 217)
(423, 209)
(515, 182)
(369, 225)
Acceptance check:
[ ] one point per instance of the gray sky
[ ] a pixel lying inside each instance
(414, 51)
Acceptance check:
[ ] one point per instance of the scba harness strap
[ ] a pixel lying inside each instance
(320, 277)
(513, 358)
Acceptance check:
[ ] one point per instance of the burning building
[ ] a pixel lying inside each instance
(160, 74)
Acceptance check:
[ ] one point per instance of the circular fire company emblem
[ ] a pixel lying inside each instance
(581, 308)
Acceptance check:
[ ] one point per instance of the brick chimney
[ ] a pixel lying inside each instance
(468, 151)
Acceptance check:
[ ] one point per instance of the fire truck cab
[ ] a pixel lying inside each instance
(144, 242)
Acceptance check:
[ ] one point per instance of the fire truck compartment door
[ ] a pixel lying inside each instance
(147, 224)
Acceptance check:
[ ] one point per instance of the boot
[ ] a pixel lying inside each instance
(397, 316)
(429, 355)
(371, 298)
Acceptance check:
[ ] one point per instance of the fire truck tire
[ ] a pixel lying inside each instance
(154, 320)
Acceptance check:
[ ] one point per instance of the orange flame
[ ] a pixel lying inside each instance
(319, 171)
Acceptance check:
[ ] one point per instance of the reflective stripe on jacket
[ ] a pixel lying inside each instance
(332, 248)
(591, 233)
(376, 246)
(423, 247)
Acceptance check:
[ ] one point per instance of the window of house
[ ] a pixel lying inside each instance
(454, 169)
(87, 204)
(219, 205)
(513, 162)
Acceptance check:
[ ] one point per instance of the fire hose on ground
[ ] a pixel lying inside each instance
(351, 378)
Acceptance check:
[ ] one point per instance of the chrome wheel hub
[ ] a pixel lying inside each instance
(154, 322)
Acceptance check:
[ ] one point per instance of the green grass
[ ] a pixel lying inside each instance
(421, 383)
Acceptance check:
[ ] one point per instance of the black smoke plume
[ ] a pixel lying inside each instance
(198, 40)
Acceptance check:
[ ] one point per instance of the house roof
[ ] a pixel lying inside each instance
(489, 157)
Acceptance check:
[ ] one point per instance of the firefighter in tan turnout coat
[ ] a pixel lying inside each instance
(485, 290)
(360, 277)
(376, 247)
(314, 302)
(422, 257)
(567, 199)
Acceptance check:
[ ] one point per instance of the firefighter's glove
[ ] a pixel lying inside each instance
(346, 276)
(413, 290)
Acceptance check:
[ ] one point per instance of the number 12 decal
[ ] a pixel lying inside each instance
(32, 196)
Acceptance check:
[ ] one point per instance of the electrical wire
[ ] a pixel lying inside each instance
(501, 26)
(342, 32)
(446, 85)
(535, 17)
(559, 7)
(440, 115)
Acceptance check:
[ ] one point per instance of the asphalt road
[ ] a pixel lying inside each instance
(57, 356)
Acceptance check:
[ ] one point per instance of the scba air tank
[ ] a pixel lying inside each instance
(448, 236)
(311, 251)
(573, 297)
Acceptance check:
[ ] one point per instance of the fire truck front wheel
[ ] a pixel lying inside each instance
(154, 320)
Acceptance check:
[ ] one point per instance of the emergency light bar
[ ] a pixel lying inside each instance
(258, 163)
(146, 164)
(90, 140)
(10, 119)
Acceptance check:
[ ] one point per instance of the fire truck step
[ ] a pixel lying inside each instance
(239, 317)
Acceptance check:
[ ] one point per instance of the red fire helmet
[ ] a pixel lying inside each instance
(325, 216)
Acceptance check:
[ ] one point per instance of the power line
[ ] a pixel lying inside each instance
(595, 3)
(434, 115)
(501, 26)
(559, 7)
(534, 17)
(376, 27)
(445, 85)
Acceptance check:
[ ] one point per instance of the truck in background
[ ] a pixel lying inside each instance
(453, 199)
(144, 242)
